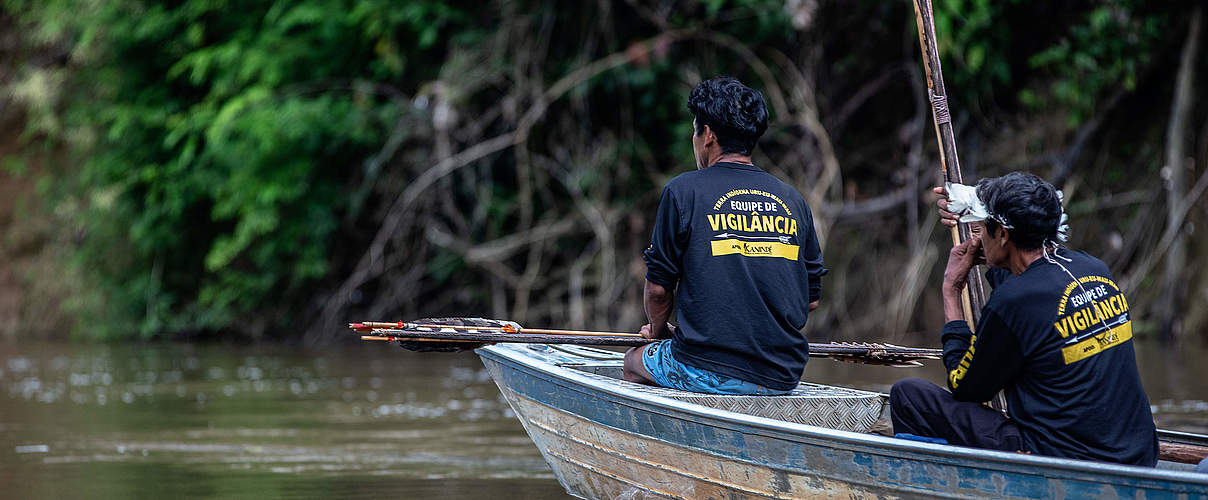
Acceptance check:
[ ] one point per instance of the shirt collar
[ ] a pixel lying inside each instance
(737, 166)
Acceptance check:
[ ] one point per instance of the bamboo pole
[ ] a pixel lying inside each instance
(973, 297)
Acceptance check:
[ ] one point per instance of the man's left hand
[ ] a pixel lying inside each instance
(946, 218)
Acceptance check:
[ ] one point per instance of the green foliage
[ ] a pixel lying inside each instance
(1103, 51)
(1081, 53)
(972, 34)
(223, 168)
(13, 166)
(224, 132)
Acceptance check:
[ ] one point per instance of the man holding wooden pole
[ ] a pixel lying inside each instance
(1055, 336)
(736, 248)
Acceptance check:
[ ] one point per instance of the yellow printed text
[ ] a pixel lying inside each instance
(755, 249)
(1097, 344)
(752, 223)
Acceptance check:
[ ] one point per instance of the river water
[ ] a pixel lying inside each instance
(166, 420)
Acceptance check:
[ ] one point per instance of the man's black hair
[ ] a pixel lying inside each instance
(1026, 203)
(736, 113)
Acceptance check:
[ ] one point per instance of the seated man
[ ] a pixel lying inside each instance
(740, 247)
(1054, 335)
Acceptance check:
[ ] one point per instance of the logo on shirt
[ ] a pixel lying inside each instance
(1092, 315)
(753, 223)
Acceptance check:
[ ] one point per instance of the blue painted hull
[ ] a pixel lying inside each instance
(605, 438)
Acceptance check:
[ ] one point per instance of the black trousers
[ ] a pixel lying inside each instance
(922, 408)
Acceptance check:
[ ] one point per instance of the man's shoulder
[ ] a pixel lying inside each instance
(684, 181)
(789, 188)
(1013, 294)
(709, 178)
(787, 191)
(1024, 291)
(1092, 263)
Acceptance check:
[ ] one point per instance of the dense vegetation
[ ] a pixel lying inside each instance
(276, 168)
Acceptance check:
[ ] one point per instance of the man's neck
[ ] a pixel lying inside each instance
(1022, 260)
(732, 158)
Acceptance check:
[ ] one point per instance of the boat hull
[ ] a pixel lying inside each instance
(606, 438)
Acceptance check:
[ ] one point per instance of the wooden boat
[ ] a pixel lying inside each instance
(607, 438)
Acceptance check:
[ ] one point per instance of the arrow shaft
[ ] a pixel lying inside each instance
(525, 337)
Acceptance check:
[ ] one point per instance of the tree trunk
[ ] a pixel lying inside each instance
(1175, 166)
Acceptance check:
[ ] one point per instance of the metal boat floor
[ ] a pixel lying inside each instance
(811, 404)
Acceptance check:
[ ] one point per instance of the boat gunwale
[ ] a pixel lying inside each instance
(792, 431)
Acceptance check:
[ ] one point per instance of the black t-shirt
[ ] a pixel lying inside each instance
(740, 245)
(1063, 353)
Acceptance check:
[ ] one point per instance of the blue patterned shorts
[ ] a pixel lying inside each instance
(668, 372)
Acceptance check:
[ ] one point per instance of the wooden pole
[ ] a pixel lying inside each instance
(388, 339)
(508, 332)
(577, 332)
(871, 351)
(369, 326)
(1182, 453)
(523, 338)
(974, 295)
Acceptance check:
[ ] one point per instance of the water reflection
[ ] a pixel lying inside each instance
(113, 420)
(116, 421)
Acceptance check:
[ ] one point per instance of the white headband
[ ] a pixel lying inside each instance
(963, 201)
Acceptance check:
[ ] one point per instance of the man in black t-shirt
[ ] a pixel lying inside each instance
(1055, 336)
(735, 249)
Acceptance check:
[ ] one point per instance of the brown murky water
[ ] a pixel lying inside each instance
(362, 421)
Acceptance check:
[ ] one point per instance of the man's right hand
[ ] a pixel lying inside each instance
(664, 333)
(645, 332)
(946, 218)
(961, 259)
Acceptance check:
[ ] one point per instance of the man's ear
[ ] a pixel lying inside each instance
(708, 135)
(1006, 235)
